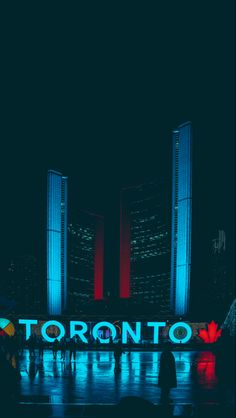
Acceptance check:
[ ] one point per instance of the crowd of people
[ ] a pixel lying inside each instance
(11, 348)
(58, 347)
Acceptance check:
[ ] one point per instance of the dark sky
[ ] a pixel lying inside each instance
(95, 93)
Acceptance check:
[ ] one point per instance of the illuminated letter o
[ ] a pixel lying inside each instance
(104, 324)
(182, 325)
(48, 324)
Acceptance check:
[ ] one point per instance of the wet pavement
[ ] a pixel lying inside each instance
(91, 379)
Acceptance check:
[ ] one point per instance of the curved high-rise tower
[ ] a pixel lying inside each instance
(56, 243)
(181, 219)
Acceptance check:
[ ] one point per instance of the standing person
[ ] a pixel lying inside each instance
(111, 343)
(31, 345)
(40, 347)
(129, 346)
(97, 343)
(167, 373)
(63, 348)
(55, 348)
(72, 346)
(117, 355)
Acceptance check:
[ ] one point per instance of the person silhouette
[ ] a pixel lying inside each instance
(40, 347)
(167, 373)
(31, 345)
(118, 351)
(72, 347)
(55, 348)
(63, 348)
(111, 343)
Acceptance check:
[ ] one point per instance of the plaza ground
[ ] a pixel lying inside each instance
(64, 388)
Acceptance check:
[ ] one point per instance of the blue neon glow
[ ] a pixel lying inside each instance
(48, 324)
(156, 326)
(56, 243)
(135, 335)
(64, 242)
(28, 323)
(181, 219)
(182, 325)
(107, 325)
(80, 332)
(110, 330)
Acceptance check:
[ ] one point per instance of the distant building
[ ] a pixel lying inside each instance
(229, 324)
(219, 243)
(23, 285)
(145, 247)
(85, 262)
(219, 289)
(181, 219)
(56, 243)
(155, 240)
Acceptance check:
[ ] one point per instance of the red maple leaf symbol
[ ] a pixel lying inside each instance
(210, 335)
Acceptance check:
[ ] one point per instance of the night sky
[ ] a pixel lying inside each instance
(95, 93)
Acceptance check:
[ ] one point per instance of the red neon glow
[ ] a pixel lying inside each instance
(124, 252)
(206, 368)
(99, 260)
(210, 335)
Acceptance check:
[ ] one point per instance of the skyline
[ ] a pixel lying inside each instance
(217, 214)
(111, 224)
(145, 220)
(57, 206)
(117, 289)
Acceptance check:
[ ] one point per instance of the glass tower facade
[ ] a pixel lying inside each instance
(181, 219)
(145, 247)
(56, 243)
(85, 262)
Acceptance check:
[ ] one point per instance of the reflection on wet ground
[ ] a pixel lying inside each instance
(91, 378)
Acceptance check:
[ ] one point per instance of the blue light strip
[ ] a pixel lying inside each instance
(64, 242)
(54, 286)
(181, 219)
(174, 223)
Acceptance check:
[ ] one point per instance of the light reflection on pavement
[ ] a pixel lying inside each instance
(91, 379)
